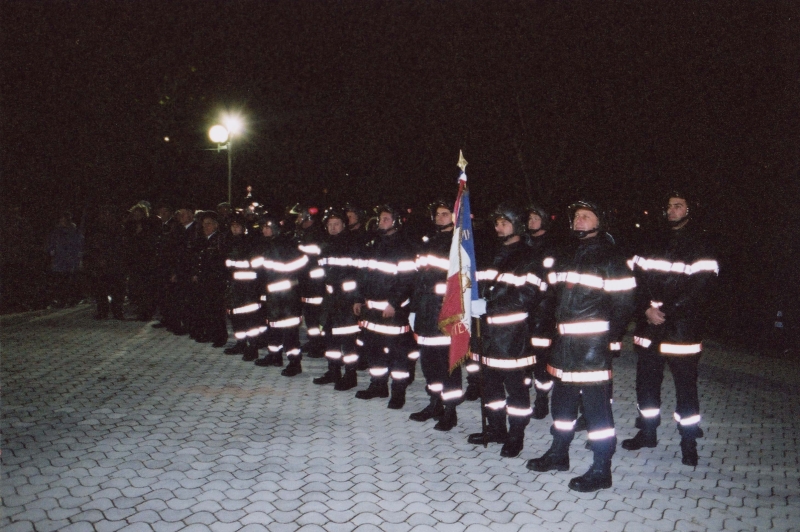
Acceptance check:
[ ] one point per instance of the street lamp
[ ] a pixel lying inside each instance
(223, 136)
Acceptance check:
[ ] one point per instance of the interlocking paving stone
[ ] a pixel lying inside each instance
(136, 429)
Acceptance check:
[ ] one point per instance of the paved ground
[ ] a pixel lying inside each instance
(117, 426)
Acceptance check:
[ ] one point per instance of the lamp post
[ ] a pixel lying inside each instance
(223, 136)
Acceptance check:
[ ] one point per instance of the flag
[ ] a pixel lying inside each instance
(455, 318)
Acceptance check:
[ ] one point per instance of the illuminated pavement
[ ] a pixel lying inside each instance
(118, 426)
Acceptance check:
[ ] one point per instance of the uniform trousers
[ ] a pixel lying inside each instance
(650, 374)
(387, 354)
(284, 340)
(340, 350)
(435, 362)
(596, 399)
(507, 388)
(312, 315)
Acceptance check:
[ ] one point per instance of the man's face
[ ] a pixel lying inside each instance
(352, 218)
(385, 221)
(503, 227)
(335, 226)
(185, 216)
(237, 229)
(585, 220)
(223, 210)
(266, 230)
(209, 226)
(137, 214)
(443, 216)
(534, 222)
(677, 210)
(307, 223)
(164, 213)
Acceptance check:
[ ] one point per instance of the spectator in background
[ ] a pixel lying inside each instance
(64, 247)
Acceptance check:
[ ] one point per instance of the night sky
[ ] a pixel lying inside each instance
(371, 101)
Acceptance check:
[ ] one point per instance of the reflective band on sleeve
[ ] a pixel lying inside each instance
(485, 275)
(263, 298)
(541, 342)
(378, 372)
(289, 322)
(314, 331)
(705, 265)
(619, 285)
(496, 405)
(244, 276)
(405, 303)
(406, 266)
(518, 412)
(580, 376)
(686, 421)
(386, 329)
(584, 279)
(510, 278)
(642, 342)
(385, 267)
(506, 363)
(239, 264)
(400, 375)
(359, 341)
(564, 425)
(528, 381)
(680, 349)
(257, 262)
(600, 434)
(413, 355)
(452, 394)
(317, 273)
(312, 249)
(433, 260)
(507, 318)
(329, 288)
(311, 300)
(348, 286)
(656, 304)
(583, 327)
(473, 368)
(615, 346)
(433, 340)
(440, 289)
(280, 286)
(548, 262)
(650, 412)
(543, 386)
(378, 305)
(252, 307)
(289, 266)
(342, 331)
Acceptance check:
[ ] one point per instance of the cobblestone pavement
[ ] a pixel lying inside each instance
(118, 426)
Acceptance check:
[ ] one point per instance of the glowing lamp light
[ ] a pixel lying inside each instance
(218, 134)
(234, 124)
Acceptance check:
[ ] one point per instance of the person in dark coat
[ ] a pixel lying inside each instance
(209, 275)
(65, 248)
(104, 262)
(141, 238)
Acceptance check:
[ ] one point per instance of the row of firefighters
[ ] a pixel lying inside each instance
(552, 316)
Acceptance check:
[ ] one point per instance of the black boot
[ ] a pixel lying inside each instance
(598, 476)
(333, 375)
(541, 405)
(294, 367)
(496, 430)
(556, 458)
(448, 420)
(398, 395)
(516, 437)
(267, 360)
(434, 410)
(646, 437)
(236, 349)
(250, 353)
(377, 388)
(348, 381)
(689, 437)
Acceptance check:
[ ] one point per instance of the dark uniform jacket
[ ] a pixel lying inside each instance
(279, 263)
(433, 262)
(338, 260)
(513, 288)
(674, 273)
(243, 291)
(592, 291)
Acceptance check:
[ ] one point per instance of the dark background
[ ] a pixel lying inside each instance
(371, 101)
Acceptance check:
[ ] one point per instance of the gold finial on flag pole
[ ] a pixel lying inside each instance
(462, 163)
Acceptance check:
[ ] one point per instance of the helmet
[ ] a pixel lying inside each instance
(590, 206)
(303, 213)
(237, 218)
(537, 209)
(271, 221)
(334, 212)
(513, 214)
(437, 204)
(396, 212)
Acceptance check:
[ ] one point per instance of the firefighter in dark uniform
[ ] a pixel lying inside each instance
(209, 276)
(592, 292)
(307, 237)
(384, 291)
(512, 290)
(341, 325)
(242, 294)
(433, 262)
(674, 273)
(281, 263)
(542, 244)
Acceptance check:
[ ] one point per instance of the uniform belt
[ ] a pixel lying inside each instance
(580, 376)
(385, 329)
